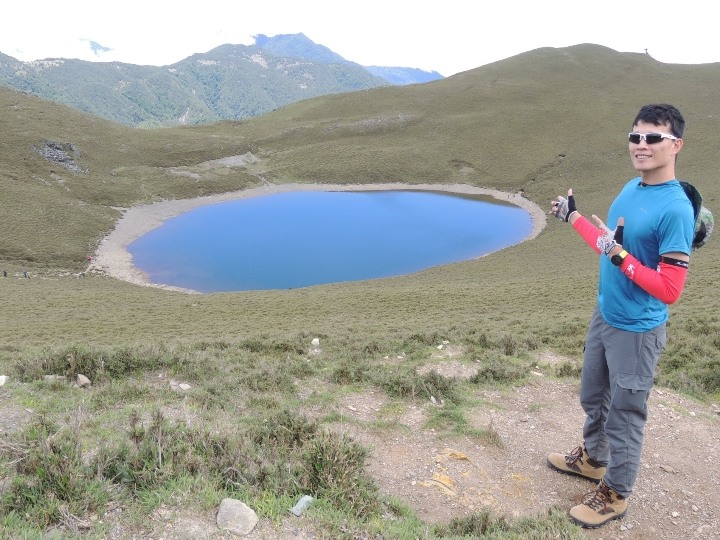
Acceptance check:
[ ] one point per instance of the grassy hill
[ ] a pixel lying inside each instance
(539, 122)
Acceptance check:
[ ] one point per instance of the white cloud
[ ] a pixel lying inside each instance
(448, 37)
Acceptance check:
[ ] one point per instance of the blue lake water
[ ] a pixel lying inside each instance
(299, 239)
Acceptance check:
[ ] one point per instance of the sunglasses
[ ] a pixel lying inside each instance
(650, 138)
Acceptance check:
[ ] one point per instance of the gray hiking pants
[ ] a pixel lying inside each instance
(617, 377)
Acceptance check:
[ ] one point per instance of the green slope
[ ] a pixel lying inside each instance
(539, 122)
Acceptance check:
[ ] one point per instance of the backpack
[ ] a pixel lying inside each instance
(703, 217)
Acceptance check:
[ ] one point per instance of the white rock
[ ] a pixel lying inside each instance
(315, 342)
(3, 379)
(82, 381)
(237, 517)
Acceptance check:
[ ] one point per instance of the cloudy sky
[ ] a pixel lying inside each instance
(448, 36)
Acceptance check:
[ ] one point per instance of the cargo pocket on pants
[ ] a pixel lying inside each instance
(632, 392)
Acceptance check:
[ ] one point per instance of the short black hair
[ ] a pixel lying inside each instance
(660, 114)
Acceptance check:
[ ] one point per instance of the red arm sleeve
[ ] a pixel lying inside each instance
(665, 284)
(589, 232)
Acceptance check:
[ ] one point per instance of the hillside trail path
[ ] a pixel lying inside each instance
(676, 496)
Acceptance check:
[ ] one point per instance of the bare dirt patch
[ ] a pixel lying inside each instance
(677, 494)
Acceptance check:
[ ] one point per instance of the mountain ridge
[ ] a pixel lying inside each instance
(229, 82)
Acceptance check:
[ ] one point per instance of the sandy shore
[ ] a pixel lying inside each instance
(113, 258)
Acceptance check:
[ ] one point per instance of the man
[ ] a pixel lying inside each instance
(643, 266)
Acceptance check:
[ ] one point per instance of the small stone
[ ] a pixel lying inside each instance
(675, 514)
(3, 379)
(302, 504)
(235, 516)
(315, 342)
(82, 381)
(184, 386)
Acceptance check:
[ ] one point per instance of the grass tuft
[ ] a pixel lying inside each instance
(334, 470)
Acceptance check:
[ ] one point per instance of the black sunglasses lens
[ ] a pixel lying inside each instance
(634, 138)
(653, 138)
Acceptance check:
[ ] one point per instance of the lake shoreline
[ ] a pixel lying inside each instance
(112, 257)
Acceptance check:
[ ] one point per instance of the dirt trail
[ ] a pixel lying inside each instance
(677, 494)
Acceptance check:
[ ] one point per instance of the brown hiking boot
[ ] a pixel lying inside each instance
(599, 507)
(577, 462)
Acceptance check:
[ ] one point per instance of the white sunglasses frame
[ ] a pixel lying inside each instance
(644, 136)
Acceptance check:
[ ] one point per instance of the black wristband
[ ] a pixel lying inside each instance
(619, 258)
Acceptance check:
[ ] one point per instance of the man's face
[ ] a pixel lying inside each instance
(650, 157)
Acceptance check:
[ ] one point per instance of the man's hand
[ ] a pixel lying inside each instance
(562, 208)
(612, 239)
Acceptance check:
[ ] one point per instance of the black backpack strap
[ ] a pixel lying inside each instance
(695, 198)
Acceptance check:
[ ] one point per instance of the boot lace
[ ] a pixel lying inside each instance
(575, 455)
(598, 498)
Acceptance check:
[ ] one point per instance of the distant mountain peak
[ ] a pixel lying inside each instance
(300, 46)
(229, 82)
